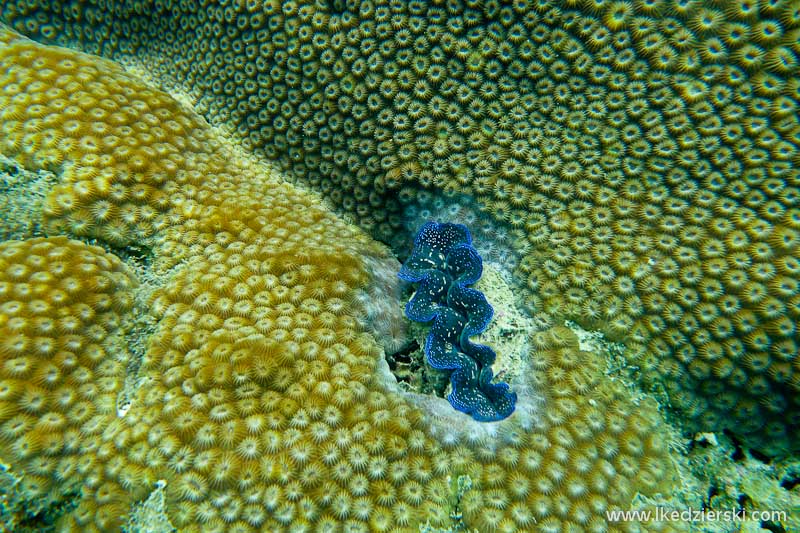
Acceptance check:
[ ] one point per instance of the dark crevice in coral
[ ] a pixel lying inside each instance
(402, 356)
(738, 453)
(772, 526)
(140, 255)
(790, 482)
(700, 442)
(755, 454)
(743, 500)
(410, 370)
(44, 520)
(337, 6)
(406, 366)
(712, 491)
(137, 255)
(40, 522)
(11, 170)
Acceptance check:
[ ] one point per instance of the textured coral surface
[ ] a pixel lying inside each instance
(260, 401)
(642, 156)
(63, 366)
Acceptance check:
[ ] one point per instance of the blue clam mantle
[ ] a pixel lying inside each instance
(443, 263)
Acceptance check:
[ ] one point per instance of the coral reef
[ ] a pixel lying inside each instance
(19, 512)
(444, 263)
(720, 476)
(150, 515)
(641, 156)
(262, 402)
(741, 491)
(63, 365)
(22, 195)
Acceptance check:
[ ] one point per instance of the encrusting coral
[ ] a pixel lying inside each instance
(63, 366)
(641, 155)
(261, 403)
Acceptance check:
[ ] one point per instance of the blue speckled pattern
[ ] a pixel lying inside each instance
(443, 263)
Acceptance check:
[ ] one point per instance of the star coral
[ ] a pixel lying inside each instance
(261, 400)
(444, 263)
(656, 144)
(64, 307)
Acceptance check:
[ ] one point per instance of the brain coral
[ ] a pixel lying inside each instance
(262, 401)
(642, 156)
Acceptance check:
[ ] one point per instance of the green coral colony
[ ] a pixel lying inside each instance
(639, 159)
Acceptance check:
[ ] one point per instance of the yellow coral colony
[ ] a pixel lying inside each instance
(642, 155)
(63, 366)
(261, 400)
